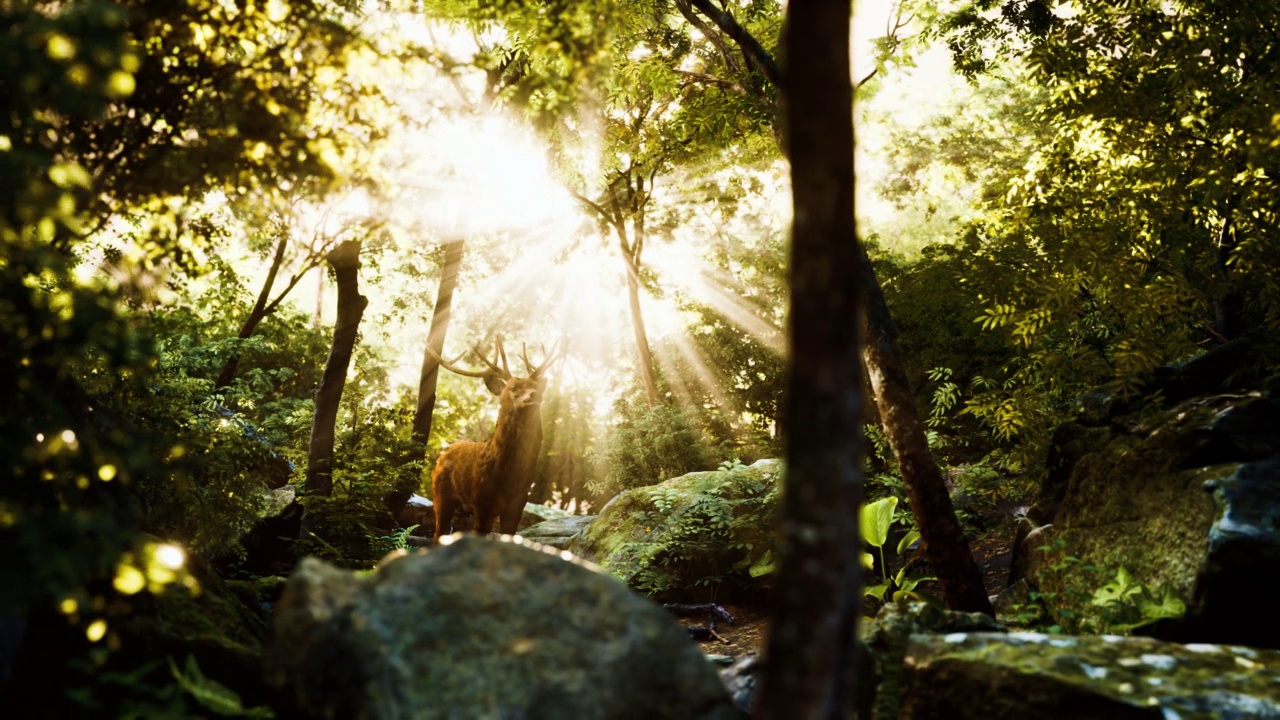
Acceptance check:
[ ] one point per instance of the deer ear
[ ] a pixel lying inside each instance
(494, 383)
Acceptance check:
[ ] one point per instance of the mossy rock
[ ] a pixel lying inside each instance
(1032, 675)
(691, 535)
(1143, 501)
(886, 638)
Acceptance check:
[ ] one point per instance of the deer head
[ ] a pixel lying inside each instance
(525, 391)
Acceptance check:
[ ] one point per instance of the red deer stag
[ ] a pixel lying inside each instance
(491, 479)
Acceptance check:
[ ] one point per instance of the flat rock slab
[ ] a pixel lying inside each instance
(558, 532)
(1031, 675)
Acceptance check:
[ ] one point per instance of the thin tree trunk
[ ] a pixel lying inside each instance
(1228, 304)
(345, 260)
(927, 493)
(318, 313)
(945, 546)
(430, 373)
(259, 311)
(615, 215)
(643, 354)
(263, 307)
(810, 660)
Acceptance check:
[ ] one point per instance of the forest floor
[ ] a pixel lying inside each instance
(747, 633)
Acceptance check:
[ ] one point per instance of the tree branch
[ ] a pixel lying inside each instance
(745, 40)
(704, 77)
(593, 205)
(711, 35)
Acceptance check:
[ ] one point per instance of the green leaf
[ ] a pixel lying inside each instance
(764, 565)
(912, 536)
(210, 693)
(876, 591)
(1168, 605)
(875, 520)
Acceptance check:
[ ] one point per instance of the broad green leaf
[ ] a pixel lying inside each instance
(875, 520)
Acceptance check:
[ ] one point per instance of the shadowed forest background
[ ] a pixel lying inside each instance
(237, 239)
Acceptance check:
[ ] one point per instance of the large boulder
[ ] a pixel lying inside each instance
(691, 536)
(1031, 675)
(483, 628)
(1180, 490)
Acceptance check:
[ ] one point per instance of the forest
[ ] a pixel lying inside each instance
(807, 359)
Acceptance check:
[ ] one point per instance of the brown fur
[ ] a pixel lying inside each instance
(491, 479)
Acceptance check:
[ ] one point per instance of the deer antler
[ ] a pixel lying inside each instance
(546, 361)
(494, 377)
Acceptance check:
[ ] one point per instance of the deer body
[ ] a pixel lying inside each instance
(491, 479)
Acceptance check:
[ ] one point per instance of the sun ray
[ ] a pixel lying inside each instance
(688, 272)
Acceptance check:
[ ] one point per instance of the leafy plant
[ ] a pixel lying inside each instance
(211, 694)
(1128, 604)
(875, 520)
(716, 529)
(398, 540)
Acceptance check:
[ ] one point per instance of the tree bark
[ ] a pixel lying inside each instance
(345, 261)
(926, 491)
(945, 546)
(430, 373)
(811, 653)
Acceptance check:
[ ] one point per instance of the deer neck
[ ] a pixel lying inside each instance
(513, 429)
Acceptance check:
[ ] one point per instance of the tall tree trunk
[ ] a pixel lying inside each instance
(810, 660)
(945, 546)
(627, 198)
(927, 493)
(429, 375)
(318, 313)
(345, 261)
(644, 356)
(430, 372)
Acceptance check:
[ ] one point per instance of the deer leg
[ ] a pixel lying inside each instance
(510, 521)
(444, 517)
(484, 521)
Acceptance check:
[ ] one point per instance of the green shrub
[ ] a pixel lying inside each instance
(647, 445)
